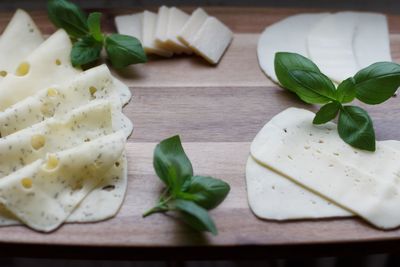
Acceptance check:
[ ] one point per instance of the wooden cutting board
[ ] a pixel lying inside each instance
(217, 110)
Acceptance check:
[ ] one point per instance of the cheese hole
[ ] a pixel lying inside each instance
(52, 162)
(52, 92)
(47, 110)
(23, 69)
(117, 164)
(108, 187)
(26, 182)
(92, 90)
(58, 62)
(38, 141)
(3, 73)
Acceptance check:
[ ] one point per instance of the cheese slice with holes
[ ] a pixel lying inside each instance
(18, 40)
(49, 64)
(130, 25)
(365, 183)
(56, 101)
(149, 41)
(211, 40)
(192, 26)
(44, 193)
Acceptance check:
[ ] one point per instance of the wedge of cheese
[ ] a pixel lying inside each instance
(130, 25)
(44, 193)
(192, 26)
(58, 100)
(48, 65)
(211, 40)
(176, 20)
(362, 182)
(18, 40)
(149, 41)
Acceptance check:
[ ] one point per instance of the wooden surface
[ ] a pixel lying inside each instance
(217, 111)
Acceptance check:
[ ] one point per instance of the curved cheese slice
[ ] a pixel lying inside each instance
(44, 193)
(287, 35)
(58, 100)
(18, 40)
(363, 182)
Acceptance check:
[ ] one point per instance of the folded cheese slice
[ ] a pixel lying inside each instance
(18, 40)
(362, 182)
(58, 100)
(44, 193)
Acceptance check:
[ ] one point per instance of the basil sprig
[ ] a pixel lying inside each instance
(89, 40)
(372, 85)
(188, 194)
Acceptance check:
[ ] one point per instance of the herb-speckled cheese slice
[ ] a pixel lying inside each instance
(18, 40)
(363, 182)
(56, 101)
(44, 193)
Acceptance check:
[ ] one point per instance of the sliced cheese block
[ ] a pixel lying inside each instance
(58, 100)
(330, 45)
(211, 40)
(274, 197)
(47, 65)
(149, 42)
(192, 26)
(371, 40)
(287, 35)
(362, 182)
(44, 193)
(176, 20)
(18, 40)
(130, 25)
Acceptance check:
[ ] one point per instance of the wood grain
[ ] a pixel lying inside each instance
(217, 111)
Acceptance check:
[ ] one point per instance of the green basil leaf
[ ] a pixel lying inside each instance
(171, 163)
(68, 16)
(377, 82)
(285, 62)
(313, 87)
(355, 128)
(327, 113)
(195, 216)
(124, 50)
(94, 24)
(206, 191)
(346, 91)
(85, 50)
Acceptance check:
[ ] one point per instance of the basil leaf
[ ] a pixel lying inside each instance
(346, 91)
(285, 62)
(313, 87)
(94, 24)
(68, 16)
(85, 50)
(124, 50)
(206, 191)
(377, 82)
(355, 128)
(327, 113)
(195, 216)
(171, 163)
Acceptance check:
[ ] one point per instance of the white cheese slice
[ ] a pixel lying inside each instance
(47, 65)
(44, 193)
(130, 25)
(93, 84)
(211, 40)
(176, 20)
(192, 26)
(162, 25)
(287, 35)
(330, 45)
(315, 157)
(18, 40)
(149, 42)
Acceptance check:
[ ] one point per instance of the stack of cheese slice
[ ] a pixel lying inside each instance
(172, 31)
(297, 170)
(62, 133)
(340, 43)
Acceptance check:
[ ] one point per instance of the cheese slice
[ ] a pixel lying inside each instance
(287, 35)
(18, 40)
(176, 20)
(192, 26)
(130, 25)
(47, 65)
(362, 182)
(149, 42)
(44, 193)
(58, 100)
(162, 25)
(211, 40)
(330, 45)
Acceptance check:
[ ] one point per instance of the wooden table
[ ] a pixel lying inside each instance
(217, 111)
